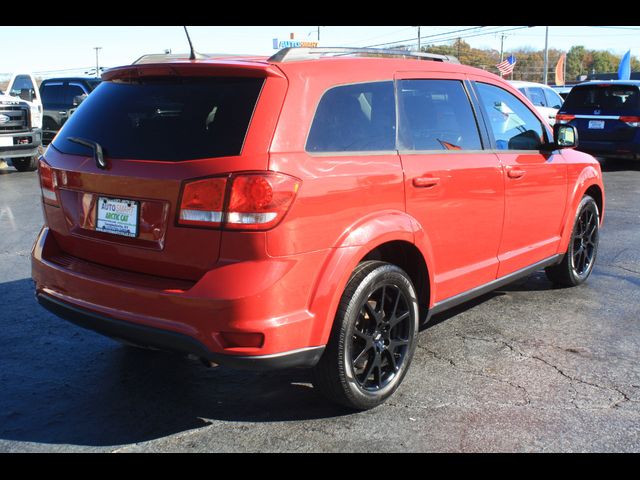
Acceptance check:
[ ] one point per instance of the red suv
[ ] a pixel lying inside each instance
(311, 209)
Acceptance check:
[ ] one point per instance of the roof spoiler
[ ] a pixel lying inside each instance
(169, 57)
(293, 54)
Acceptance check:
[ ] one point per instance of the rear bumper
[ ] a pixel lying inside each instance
(204, 318)
(618, 149)
(175, 342)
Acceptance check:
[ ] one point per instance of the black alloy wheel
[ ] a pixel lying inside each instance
(380, 339)
(373, 338)
(584, 241)
(579, 260)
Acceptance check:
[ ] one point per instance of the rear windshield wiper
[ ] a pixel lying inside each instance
(98, 155)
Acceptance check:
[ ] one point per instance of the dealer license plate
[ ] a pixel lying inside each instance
(596, 124)
(117, 216)
(6, 141)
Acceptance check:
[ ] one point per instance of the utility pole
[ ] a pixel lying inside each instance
(418, 36)
(546, 55)
(97, 63)
(318, 34)
(502, 36)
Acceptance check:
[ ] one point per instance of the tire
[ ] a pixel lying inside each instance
(373, 338)
(26, 164)
(578, 261)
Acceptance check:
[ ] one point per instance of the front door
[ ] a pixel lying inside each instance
(535, 180)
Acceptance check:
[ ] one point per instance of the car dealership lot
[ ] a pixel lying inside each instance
(526, 368)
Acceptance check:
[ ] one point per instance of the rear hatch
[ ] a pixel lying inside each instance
(601, 109)
(156, 127)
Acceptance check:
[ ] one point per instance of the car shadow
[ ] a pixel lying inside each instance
(62, 384)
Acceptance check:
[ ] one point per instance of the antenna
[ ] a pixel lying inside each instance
(193, 55)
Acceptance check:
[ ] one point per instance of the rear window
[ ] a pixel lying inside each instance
(164, 119)
(613, 97)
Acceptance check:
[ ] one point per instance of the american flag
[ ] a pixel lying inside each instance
(506, 67)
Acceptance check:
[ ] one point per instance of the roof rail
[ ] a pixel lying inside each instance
(293, 54)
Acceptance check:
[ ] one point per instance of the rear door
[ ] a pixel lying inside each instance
(453, 187)
(535, 182)
(55, 113)
(155, 133)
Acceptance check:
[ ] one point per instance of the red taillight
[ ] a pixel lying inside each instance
(564, 118)
(256, 201)
(48, 183)
(259, 201)
(632, 121)
(202, 202)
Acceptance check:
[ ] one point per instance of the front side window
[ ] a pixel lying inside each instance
(352, 118)
(72, 92)
(513, 125)
(436, 115)
(553, 99)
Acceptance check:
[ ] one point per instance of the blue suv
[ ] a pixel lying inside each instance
(606, 115)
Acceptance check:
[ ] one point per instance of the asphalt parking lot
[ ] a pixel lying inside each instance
(526, 368)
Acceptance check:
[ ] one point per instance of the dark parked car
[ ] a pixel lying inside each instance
(607, 116)
(60, 96)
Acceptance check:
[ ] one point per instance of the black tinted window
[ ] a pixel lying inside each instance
(72, 92)
(436, 115)
(352, 118)
(514, 126)
(164, 119)
(52, 93)
(616, 97)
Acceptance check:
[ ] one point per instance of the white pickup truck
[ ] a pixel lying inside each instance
(21, 123)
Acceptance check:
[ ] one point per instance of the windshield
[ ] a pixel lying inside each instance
(164, 119)
(604, 96)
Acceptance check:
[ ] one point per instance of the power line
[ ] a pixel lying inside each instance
(425, 36)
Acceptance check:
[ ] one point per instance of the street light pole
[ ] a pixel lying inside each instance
(546, 55)
(97, 63)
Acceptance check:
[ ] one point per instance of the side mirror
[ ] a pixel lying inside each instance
(565, 136)
(78, 99)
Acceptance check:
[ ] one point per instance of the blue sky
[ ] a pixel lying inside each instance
(49, 50)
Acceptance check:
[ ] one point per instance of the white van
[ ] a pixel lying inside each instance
(544, 98)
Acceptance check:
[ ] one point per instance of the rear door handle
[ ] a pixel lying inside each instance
(515, 172)
(62, 113)
(425, 182)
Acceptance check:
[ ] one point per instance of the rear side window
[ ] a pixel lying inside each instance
(436, 115)
(513, 125)
(613, 97)
(352, 118)
(52, 93)
(164, 119)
